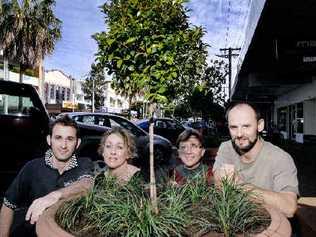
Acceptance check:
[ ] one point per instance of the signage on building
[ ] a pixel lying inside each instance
(297, 55)
(70, 105)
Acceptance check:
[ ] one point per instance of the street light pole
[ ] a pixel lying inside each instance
(93, 95)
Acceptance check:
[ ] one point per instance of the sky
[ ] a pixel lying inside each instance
(223, 20)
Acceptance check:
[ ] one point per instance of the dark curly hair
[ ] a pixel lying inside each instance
(186, 134)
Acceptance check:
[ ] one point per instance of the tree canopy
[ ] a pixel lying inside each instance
(150, 47)
(28, 31)
(95, 83)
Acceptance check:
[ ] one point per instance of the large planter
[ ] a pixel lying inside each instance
(47, 226)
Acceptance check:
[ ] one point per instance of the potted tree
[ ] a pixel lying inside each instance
(194, 209)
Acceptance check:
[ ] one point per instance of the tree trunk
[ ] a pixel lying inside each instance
(130, 99)
(22, 71)
(153, 187)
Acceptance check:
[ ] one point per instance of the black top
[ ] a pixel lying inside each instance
(38, 177)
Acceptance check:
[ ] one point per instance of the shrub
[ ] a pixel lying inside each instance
(192, 209)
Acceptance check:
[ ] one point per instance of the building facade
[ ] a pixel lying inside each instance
(277, 66)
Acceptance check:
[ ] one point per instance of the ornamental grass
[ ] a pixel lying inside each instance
(192, 209)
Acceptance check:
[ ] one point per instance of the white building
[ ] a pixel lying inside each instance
(113, 102)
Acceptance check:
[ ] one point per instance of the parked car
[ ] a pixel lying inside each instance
(93, 125)
(166, 127)
(24, 124)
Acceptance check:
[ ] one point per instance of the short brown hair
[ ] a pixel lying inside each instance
(128, 139)
(66, 121)
(186, 134)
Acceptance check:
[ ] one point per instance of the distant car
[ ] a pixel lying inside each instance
(166, 127)
(93, 125)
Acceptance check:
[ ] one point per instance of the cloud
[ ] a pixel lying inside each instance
(74, 53)
(223, 20)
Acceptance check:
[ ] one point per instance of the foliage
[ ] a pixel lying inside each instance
(96, 76)
(150, 48)
(230, 210)
(205, 99)
(28, 30)
(214, 79)
(114, 210)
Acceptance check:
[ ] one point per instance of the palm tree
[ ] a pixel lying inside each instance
(28, 31)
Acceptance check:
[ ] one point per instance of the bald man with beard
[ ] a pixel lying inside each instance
(256, 164)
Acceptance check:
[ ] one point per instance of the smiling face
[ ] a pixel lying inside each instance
(63, 142)
(115, 152)
(244, 128)
(191, 152)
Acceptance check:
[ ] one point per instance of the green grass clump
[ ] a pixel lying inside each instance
(230, 209)
(192, 209)
(114, 210)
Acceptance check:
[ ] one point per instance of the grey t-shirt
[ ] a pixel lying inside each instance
(273, 168)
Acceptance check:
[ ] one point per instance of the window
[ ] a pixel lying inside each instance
(13, 105)
(282, 112)
(88, 119)
(58, 98)
(119, 104)
(112, 102)
(67, 94)
(63, 93)
(52, 92)
(119, 122)
(102, 121)
(160, 124)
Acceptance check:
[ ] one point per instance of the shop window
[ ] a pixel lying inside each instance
(282, 112)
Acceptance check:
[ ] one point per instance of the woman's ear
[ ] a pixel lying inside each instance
(260, 125)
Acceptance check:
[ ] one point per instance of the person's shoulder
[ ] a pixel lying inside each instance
(226, 143)
(276, 151)
(35, 162)
(84, 161)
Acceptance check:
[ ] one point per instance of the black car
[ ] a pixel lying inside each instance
(165, 127)
(24, 124)
(93, 125)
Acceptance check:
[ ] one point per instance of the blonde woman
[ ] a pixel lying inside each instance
(117, 147)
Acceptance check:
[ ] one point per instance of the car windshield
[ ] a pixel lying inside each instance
(136, 131)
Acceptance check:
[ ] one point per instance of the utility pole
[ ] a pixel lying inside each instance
(228, 53)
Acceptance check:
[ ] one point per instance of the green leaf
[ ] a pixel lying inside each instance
(119, 63)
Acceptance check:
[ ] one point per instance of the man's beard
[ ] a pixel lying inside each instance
(245, 149)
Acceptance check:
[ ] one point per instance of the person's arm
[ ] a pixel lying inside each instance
(80, 187)
(6, 219)
(286, 202)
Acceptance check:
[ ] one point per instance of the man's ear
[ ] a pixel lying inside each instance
(48, 139)
(78, 143)
(260, 125)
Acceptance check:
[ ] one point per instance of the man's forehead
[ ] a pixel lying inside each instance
(242, 111)
(61, 129)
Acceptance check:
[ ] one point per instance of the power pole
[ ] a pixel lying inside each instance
(228, 53)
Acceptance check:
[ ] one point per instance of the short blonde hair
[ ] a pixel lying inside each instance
(128, 139)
